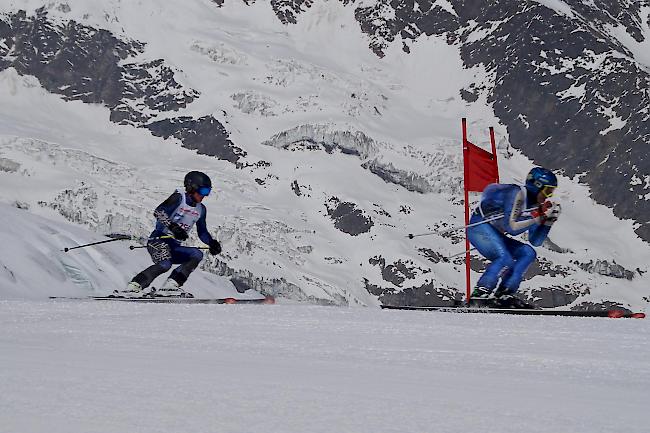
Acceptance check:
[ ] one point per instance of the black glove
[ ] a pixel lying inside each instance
(177, 231)
(215, 247)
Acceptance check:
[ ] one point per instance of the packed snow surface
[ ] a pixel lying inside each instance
(102, 366)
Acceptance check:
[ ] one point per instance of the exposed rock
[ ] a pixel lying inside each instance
(316, 137)
(76, 205)
(296, 188)
(206, 134)
(8, 166)
(276, 287)
(409, 180)
(347, 218)
(549, 297)
(398, 272)
(600, 306)
(432, 256)
(254, 103)
(90, 65)
(549, 244)
(425, 295)
(603, 267)
(542, 266)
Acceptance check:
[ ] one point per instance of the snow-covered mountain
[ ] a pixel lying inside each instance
(331, 129)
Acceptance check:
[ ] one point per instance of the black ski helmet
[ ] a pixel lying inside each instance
(195, 180)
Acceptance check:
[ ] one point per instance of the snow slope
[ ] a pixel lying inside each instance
(97, 367)
(286, 93)
(33, 264)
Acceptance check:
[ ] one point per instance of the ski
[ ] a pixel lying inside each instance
(523, 312)
(170, 300)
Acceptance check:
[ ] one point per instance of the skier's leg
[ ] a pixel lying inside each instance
(189, 258)
(161, 254)
(524, 255)
(146, 277)
(491, 244)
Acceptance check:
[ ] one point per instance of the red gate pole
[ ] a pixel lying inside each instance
(494, 151)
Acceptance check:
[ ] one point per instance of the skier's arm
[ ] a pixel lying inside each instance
(514, 206)
(551, 212)
(165, 209)
(202, 229)
(537, 235)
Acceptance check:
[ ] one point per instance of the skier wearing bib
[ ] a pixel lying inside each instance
(174, 219)
(511, 258)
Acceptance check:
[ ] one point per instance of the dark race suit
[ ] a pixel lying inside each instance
(166, 252)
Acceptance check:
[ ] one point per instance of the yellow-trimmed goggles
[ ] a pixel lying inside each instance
(548, 190)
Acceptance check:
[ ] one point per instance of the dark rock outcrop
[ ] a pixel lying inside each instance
(206, 134)
(347, 218)
(93, 66)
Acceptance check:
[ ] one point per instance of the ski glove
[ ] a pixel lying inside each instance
(541, 210)
(552, 214)
(177, 231)
(215, 247)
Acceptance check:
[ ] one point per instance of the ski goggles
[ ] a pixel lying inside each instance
(204, 191)
(548, 190)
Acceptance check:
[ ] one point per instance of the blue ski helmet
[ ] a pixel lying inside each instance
(541, 179)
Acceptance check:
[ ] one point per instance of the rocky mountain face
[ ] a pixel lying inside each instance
(91, 65)
(572, 93)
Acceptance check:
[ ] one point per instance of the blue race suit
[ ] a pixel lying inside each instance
(183, 210)
(509, 258)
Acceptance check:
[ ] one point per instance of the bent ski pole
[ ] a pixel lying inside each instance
(451, 229)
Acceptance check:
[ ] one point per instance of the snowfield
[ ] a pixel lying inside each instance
(101, 366)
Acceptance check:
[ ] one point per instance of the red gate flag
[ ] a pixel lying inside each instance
(480, 169)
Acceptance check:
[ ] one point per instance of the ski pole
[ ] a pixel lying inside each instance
(133, 247)
(116, 238)
(446, 259)
(451, 229)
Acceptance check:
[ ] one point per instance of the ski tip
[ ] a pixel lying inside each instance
(230, 301)
(269, 300)
(617, 314)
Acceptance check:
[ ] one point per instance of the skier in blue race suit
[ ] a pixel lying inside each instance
(511, 258)
(174, 218)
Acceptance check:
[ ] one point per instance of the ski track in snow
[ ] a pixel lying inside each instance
(113, 367)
